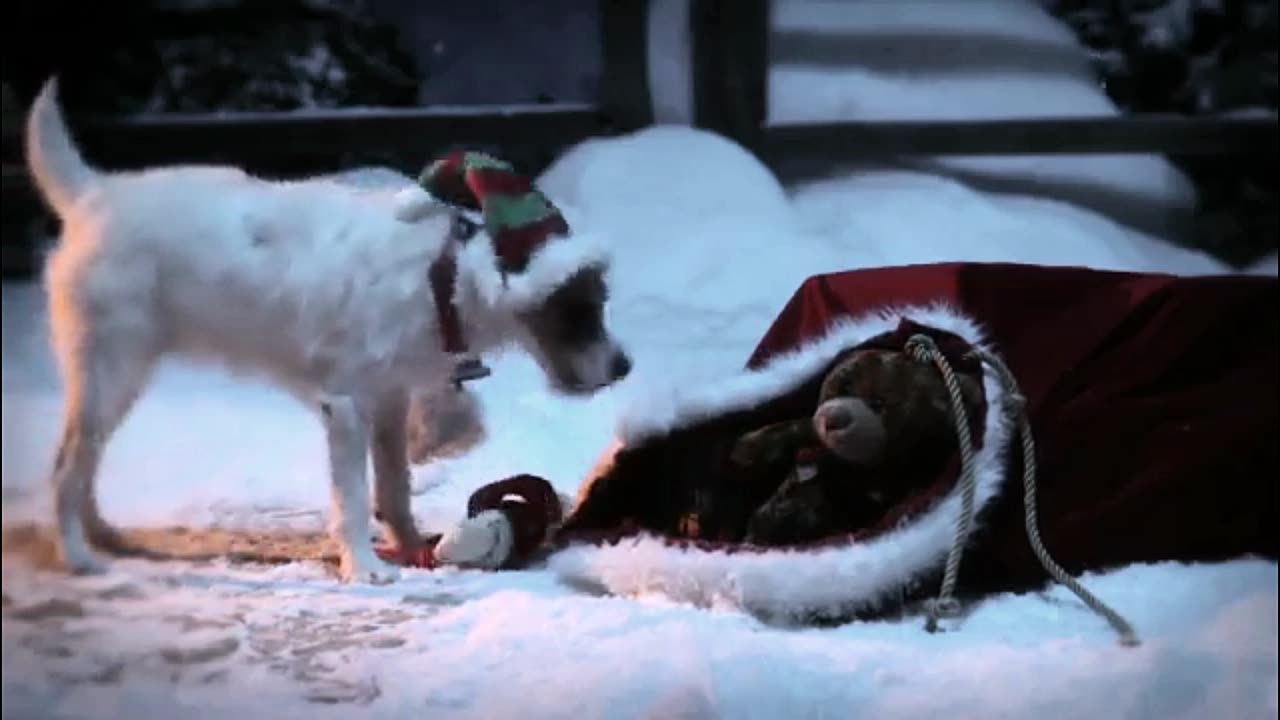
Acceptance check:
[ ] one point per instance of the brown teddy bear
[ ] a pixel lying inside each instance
(882, 429)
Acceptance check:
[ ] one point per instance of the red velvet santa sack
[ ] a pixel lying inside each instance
(1152, 401)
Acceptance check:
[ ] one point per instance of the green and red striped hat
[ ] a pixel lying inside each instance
(532, 249)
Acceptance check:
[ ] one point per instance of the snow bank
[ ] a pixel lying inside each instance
(901, 217)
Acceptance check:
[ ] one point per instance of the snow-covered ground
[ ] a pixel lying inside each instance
(708, 248)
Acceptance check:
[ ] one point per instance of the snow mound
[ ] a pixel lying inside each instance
(658, 178)
(372, 177)
(704, 238)
(902, 217)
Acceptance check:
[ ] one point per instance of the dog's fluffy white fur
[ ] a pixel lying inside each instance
(318, 286)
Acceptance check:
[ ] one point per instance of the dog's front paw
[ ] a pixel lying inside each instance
(367, 569)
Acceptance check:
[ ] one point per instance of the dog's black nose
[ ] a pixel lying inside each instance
(621, 366)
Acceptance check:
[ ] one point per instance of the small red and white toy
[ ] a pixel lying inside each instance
(507, 522)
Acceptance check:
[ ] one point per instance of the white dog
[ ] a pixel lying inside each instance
(325, 289)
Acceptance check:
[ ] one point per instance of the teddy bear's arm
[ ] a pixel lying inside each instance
(773, 443)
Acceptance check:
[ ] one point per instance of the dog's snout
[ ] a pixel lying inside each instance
(621, 366)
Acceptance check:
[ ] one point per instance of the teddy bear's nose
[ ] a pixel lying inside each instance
(837, 418)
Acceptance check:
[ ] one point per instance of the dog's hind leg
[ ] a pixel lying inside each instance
(347, 424)
(103, 380)
(391, 471)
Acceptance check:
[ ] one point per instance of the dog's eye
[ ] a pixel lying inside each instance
(580, 323)
(582, 313)
(463, 228)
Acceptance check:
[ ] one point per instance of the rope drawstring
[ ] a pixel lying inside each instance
(923, 348)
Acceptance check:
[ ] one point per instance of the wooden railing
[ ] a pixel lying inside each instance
(240, 137)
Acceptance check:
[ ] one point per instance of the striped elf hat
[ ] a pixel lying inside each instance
(531, 250)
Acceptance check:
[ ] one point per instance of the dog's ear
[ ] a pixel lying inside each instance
(414, 204)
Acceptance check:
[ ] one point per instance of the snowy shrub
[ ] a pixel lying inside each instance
(296, 54)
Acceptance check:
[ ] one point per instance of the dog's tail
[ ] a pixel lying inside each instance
(60, 172)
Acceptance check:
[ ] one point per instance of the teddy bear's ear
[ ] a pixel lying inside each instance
(839, 376)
